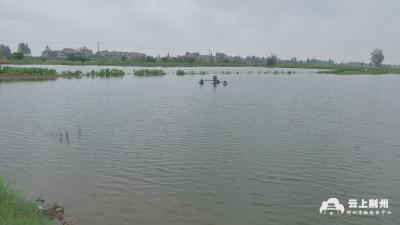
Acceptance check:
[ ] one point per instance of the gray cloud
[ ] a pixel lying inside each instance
(344, 30)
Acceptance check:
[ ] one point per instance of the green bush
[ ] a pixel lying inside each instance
(180, 72)
(17, 55)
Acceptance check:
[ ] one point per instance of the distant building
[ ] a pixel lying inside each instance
(53, 54)
(220, 55)
(192, 54)
(83, 52)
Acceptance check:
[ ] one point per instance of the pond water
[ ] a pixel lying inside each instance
(266, 149)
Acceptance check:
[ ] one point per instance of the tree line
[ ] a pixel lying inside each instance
(377, 57)
(22, 51)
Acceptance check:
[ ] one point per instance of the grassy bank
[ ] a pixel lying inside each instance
(16, 210)
(361, 71)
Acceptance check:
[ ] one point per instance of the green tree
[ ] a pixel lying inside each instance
(17, 55)
(5, 51)
(76, 57)
(377, 57)
(272, 60)
(24, 49)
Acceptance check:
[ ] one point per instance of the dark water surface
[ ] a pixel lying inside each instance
(266, 149)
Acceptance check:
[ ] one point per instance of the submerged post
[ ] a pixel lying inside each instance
(67, 136)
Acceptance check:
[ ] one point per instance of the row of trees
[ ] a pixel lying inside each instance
(22, 51)
(377, 58)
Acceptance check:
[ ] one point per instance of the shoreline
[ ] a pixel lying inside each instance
(16, 209)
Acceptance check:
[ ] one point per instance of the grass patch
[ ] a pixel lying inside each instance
(149, 72)
(16, 210)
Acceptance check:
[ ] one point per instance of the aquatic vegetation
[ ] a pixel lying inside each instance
(359, 71)
(10, 74)
(180, 72)
(72, 74)
(149, 72)
(16, 210)
(17, 78)
(91, 73)
(275, 72)
(8, 70)
(106, 73)
(226, 72)
(192, 72)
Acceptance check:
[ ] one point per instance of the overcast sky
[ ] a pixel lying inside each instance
(342, 29)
